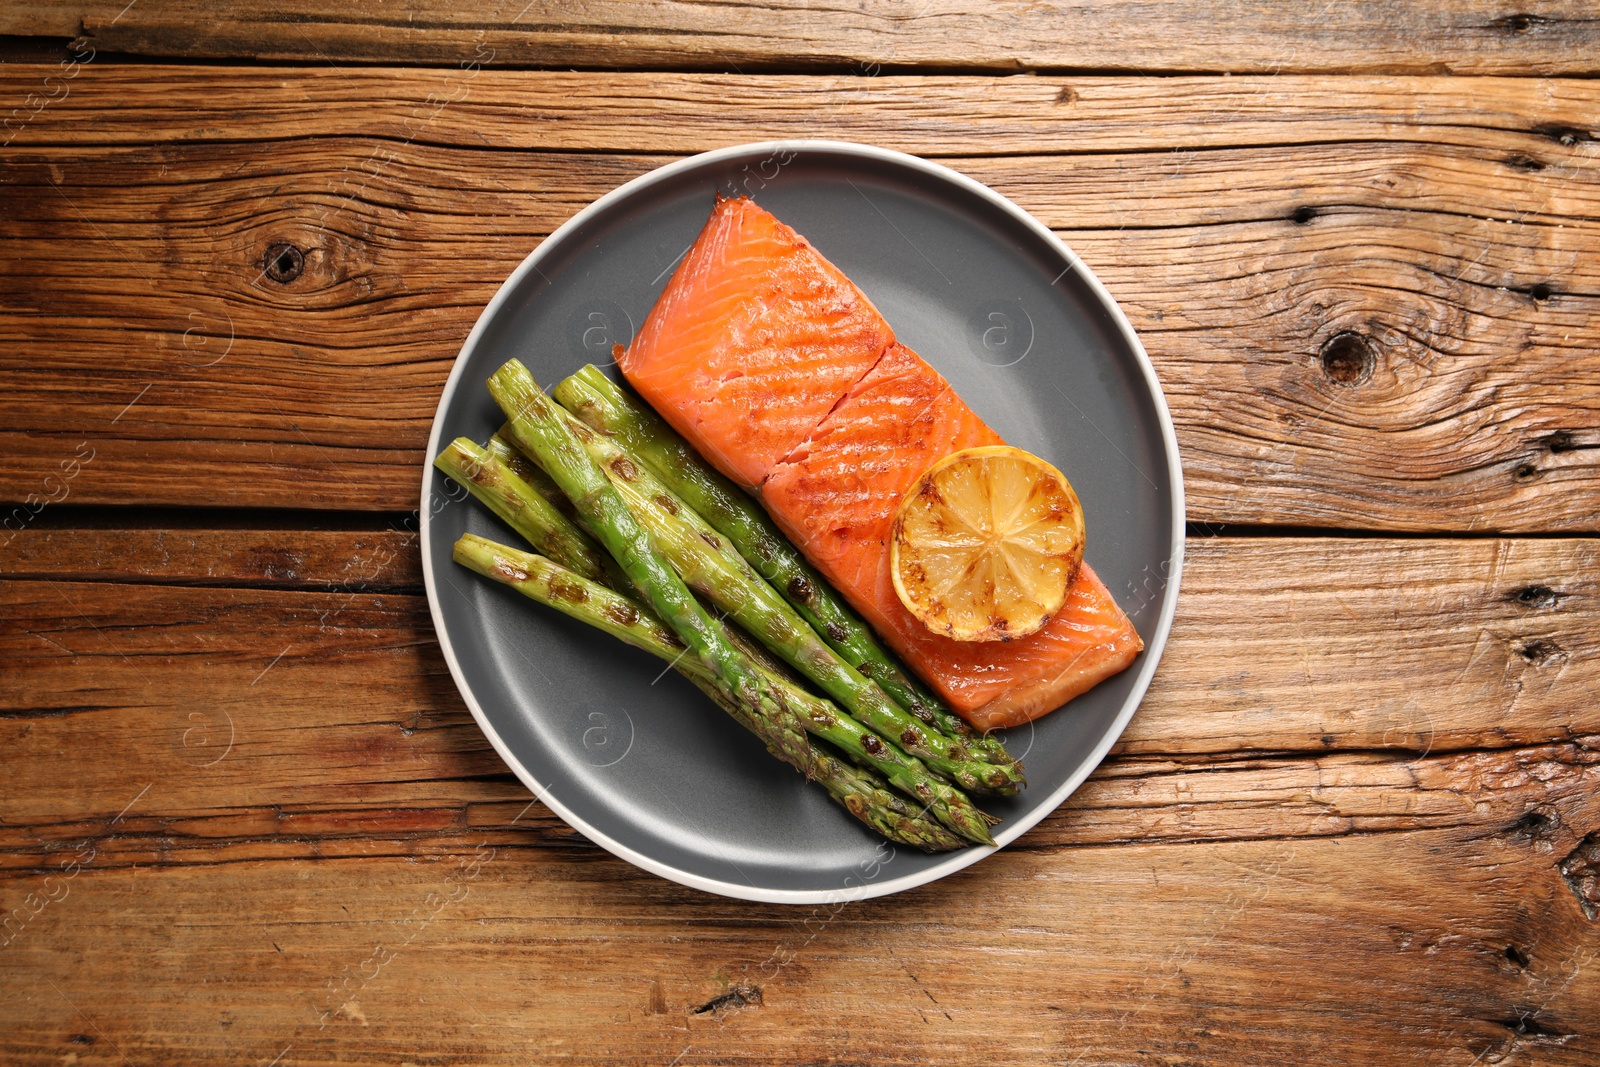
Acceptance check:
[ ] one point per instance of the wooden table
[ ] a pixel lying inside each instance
(245, 817)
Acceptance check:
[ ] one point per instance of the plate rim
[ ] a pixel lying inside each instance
(1154, 646)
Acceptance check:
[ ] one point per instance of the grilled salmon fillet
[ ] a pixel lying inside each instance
(782, 373)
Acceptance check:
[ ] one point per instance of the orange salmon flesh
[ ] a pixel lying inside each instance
(782, 373)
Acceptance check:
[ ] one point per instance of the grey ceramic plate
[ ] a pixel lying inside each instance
(635, 758)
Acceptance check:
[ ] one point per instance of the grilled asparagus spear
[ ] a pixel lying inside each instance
(587, 601)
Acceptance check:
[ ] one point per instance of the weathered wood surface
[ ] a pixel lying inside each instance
(283, 558)
(679, 114)
(1336, 832)
(1449, 225)
(1461, 36)
(245, 816)
(1384, 948)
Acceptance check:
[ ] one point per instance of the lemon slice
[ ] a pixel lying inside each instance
(986, 543)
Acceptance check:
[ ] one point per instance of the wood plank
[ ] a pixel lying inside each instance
(1281, 650)
(1469, 263)
(1415, 644)
(934, 116)
(1543, 791)
(314, 559)
(1462, 36)
(1422, 947)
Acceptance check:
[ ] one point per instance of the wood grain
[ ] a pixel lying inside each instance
(1455, 235)
(1460, 36)
(1382, 948)
(283, 558)
(1538, 791)
(1358, 780)
(679, 114)
(1281, 650)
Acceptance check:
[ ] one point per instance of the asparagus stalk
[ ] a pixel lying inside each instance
(505, 490)
(543, 432)
(708, 565)
(687, 544)
(548, 583)
(600, 403)
(684, 548)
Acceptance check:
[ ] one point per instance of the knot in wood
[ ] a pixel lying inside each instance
(283, 263)
(1348, 358)
(1536, 596)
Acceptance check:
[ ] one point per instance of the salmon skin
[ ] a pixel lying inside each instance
(782, 373)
